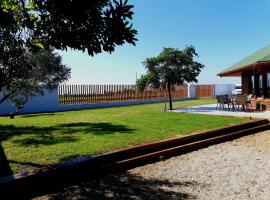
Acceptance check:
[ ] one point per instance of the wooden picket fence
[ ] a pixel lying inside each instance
(205, 91)
(85, 94)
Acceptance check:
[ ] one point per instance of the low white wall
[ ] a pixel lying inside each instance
(49, 103)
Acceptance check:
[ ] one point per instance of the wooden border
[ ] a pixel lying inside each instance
(52, 178)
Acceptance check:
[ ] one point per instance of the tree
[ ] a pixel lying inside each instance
(173, 66)
(147, 80)
(142, 82)
(43, 70)
(27, 26)
(95, 26)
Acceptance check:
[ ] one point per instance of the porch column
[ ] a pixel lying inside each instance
(246, 86)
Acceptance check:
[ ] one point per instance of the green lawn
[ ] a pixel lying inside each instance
(31, 141)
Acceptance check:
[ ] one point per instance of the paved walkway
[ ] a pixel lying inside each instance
(211, 110)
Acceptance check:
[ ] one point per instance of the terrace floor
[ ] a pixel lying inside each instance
(211, 109)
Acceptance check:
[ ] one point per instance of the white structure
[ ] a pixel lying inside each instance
(222, 89)
(49, 101)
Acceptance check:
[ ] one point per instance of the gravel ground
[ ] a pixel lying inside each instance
(239, 169)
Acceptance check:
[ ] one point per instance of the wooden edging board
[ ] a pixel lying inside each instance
(55, 176)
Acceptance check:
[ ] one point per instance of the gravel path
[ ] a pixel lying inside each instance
(233, 170)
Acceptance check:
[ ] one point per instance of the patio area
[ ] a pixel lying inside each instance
(212, 110)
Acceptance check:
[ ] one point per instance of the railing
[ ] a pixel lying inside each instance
(85, 94)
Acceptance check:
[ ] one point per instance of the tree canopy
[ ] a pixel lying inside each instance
(173, 66)
(28, 26)
(142, 82)
(95, 26)
(43, 69)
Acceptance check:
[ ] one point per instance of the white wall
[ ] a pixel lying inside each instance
(222, 89)
(49, 103)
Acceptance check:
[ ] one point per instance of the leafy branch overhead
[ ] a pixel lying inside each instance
(29, 26)
(93, 26)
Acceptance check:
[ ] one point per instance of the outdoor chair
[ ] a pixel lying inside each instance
(226, 101)
(219, 101)
(240, 100)
(248, 102)
(222, 101)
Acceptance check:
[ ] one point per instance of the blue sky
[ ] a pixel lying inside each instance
(222, 31)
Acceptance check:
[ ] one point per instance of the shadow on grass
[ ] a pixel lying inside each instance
(125, 186)
(45, 140)
(27, 164)
(74, 157)
(33, 136)
(37, 115)
(97, 128)
(63, 133)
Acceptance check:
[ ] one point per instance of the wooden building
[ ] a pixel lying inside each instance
(254, 71)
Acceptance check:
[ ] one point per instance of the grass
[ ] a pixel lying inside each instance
(33, 141)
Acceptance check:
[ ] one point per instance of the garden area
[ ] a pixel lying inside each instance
(31, 141)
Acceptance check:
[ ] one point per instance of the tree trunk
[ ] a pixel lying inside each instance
(5, 169)
(170, 96)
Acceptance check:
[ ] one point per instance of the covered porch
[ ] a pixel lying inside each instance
(255, 77)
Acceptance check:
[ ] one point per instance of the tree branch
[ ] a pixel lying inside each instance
(24, 11)
(5, 98)
(23, 6)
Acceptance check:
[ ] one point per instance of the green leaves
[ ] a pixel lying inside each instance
(95, 26)
(31, 5)
(173, 66)
(38, 44)
(142, 82)
(34, 72)
(31, 26)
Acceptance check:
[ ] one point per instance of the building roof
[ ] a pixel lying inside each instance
(261, 55)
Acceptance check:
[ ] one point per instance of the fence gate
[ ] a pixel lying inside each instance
(205, 91)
